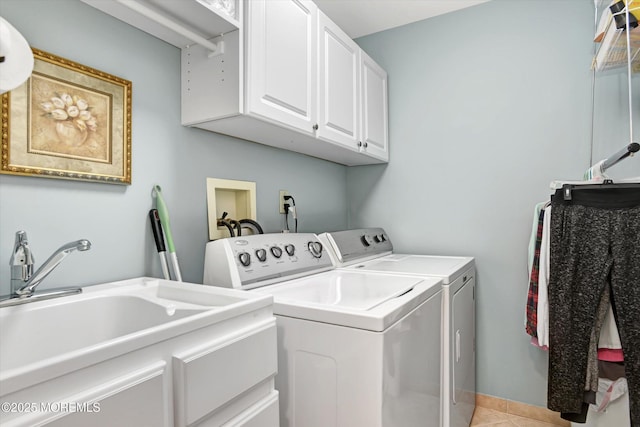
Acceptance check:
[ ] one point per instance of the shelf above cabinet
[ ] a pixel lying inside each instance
(179, 23)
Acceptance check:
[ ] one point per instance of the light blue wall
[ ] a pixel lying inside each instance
(487, 106)
(114, 217)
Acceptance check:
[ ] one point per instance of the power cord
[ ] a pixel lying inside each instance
(286, 218)
(294, 214)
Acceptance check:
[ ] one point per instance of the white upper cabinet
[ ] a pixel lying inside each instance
(375, 133)
(278, 72)
(281, 61)
(338, 85)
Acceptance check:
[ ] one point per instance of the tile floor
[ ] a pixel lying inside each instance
(491, 418)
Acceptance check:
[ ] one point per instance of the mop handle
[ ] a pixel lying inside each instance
(163, 212)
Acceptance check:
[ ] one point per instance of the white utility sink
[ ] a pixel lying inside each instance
(37, 331)
(42, 341)
(34, 332)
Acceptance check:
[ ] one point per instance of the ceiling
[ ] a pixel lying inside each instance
(359, 18)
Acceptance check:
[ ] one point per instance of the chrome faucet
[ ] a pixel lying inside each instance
(24, 282)
(50, 264)
(21, 262)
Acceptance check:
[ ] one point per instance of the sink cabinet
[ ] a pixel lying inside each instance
(212, 373)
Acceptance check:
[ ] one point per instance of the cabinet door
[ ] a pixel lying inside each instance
(138, 398)
(338, 85)
(375, 135)
(222, 370)
(281, 61)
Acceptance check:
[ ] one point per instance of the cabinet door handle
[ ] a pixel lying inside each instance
(315, 127)
(359, 144)
(366, 145)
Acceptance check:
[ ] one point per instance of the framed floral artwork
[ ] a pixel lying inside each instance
(68, 121)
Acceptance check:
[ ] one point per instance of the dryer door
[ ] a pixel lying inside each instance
(464, 355)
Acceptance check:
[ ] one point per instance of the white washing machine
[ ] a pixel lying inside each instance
(352, 345)
(371, 250)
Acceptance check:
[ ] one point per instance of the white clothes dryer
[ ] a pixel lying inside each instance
(352, 345)
(371, 250)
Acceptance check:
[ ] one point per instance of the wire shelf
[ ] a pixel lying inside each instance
(612, 51)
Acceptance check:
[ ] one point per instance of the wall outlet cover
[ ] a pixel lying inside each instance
(281, 200)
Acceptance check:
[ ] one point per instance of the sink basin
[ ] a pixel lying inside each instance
(46, 338)
(43, 331)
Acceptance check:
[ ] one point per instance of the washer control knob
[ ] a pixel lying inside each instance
(315, 248)
(366, 240)
(261, 254)
(378, 238)
(244, 258)
(290, 249)
(276, 251)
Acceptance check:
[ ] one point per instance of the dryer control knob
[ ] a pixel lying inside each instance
(276, 251)
(366, 240)
(261, 254)
(315, 248)
(290, 249)
(244, 258)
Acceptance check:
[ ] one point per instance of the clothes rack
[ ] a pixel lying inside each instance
(627, 151)
(568, 188)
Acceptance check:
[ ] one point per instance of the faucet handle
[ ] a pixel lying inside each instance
(21, 238)
(21, 251)
(22, 260)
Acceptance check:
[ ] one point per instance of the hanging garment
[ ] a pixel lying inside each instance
(531, 319)
(594, 239)
(543, 280)
(591, 383)
(536, 231)
(595, 173)
(609, 346)
(537, 308)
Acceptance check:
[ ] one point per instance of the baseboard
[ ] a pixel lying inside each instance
(520, 409)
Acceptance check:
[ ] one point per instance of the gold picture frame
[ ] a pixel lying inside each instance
(68, 121)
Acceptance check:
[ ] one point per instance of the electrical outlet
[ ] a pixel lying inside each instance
(281, 200)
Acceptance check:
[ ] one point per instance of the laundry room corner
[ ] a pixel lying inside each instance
(481, 125)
